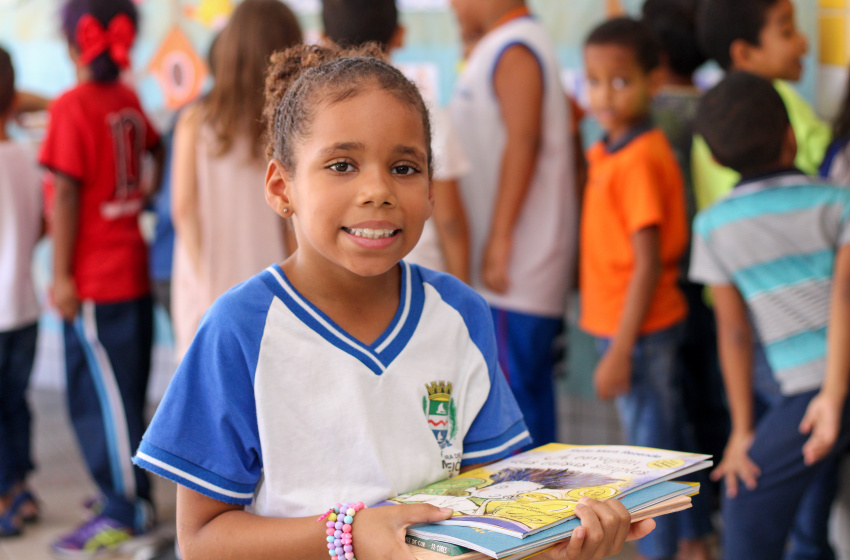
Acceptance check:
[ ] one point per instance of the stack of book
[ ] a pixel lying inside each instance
(517, 507)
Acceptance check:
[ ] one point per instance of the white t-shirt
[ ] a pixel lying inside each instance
(546, 232)
(20, 230)
(277, 407)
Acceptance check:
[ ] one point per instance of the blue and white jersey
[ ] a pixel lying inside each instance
(775, 238)
(277, 407)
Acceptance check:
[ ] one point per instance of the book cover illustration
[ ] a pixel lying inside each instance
(541, 487)
(656, 499)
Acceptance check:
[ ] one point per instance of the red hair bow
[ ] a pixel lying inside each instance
(92, 39)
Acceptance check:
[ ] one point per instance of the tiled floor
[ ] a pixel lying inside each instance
(62, 483)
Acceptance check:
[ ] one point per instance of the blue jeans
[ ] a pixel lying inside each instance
(17, 354)
(652, 415)
(758, 523)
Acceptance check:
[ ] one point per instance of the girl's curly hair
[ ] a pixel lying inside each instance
(302, 77)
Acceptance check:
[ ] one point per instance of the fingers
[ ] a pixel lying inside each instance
(604, 529)
(731, 483)
(818, 445)
(424, 513)
(640, 529)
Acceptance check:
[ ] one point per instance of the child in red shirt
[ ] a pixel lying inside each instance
(94, 145)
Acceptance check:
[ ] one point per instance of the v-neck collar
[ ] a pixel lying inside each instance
(376, 356)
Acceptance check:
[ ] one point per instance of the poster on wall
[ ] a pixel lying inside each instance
(178, 69)
(212, 14)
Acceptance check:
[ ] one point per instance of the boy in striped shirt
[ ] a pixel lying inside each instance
(777, 248)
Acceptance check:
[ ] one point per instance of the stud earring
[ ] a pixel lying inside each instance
(286, 210)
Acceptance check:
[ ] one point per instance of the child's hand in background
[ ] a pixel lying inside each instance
(63, 293)
(379, 531)
(605, 527)
(736, 464)
(823, 421)
(613, 373)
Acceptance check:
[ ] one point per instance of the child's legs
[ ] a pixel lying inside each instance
(17, 354)
(527, 358)
(810, 533)
(652, 415)
(757, 522)
(107, 351)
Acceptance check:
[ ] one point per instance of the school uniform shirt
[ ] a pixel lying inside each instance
(96, 136)
(276, 406)
(20, 230)
(774, 238)
(543, 251)
(631, 186)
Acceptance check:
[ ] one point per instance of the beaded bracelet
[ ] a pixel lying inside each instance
(340, 540)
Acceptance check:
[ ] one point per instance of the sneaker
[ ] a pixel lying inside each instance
(99, 536)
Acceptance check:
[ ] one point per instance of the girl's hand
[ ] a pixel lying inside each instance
(737, 464)
(379, 531)
(613, 374)
(822, 420)
(605, 526)
(64, 296)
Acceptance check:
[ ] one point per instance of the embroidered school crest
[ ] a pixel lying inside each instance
(440, 410)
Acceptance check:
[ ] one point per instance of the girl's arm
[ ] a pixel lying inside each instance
(735, 347)
(452, 229)
(823, 416)
(66, 219)
(210, 530)
(184, 185)
(613, 373)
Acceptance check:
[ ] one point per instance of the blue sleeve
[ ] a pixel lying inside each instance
(499, 428)
(204, 434)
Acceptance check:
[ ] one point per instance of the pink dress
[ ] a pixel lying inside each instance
(240, 234)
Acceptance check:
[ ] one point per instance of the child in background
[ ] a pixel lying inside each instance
(633, 234)
(20, 229)
(444, 244)
(350, 165)
(225, 232)
(512, 116)
(93, 148)
(760, 37)
(776, 248)
(673, 22)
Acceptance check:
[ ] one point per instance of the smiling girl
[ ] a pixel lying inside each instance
(343, 373)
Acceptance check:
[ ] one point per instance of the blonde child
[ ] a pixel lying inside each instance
(93, 148)
(225, 233)
(305, 385)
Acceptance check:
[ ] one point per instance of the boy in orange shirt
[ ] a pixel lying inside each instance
(633, 234)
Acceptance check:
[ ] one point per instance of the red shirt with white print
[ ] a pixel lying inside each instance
(96, 136)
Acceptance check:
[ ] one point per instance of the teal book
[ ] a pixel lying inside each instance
(501, 546)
